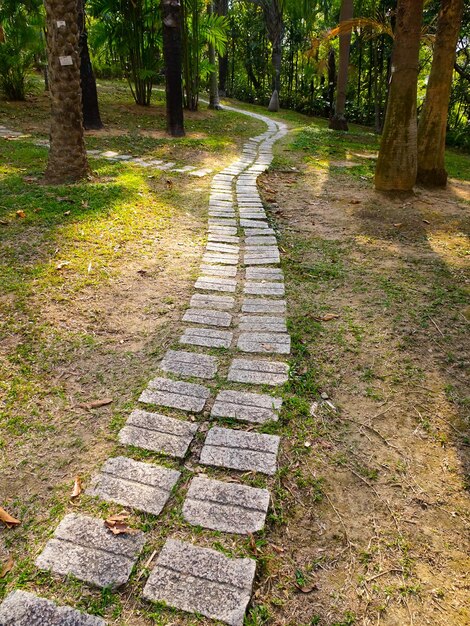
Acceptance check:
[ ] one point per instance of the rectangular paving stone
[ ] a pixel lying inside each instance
(21, 608)
(223, 247)
(222, 271)
(226, 507)
(264, 273)
(258, 372)
(261, 259)
(207, 337)
(247, 407)
(209, 301)
(176, 395)
(222, 230)
(190, 363)
(267, 343)
(158, 433)
(223, 259)
(201, 580)
(208, 317)
(216, 283)
(263, 323)
(253, 224)
(255, 232)
(264, 288)
(84, 547)
(224, 238)
(134, 484)
(240, 450)
(220, 221)
(263, 305)
(270, 240)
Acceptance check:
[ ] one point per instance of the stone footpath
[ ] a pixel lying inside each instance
(238, 309)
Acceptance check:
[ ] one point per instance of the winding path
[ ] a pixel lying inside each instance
(237, 312)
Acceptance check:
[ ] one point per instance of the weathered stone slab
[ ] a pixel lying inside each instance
(224, 239)
(190, 363)
(208, 337)
(263, 305)
(258, 240)
(176, 395)
(262, 259)
(208, 317)
(227, 507)
(264, 288)
(134, 484)
(84, 547)
(200, 580)
(253, 224)
(223, 247)
(21, 608)
(263, 323)
(258, 372)
(220, 221)
(202, 301)
(215, 283)
(223, 259)
(223, 271)
(267, 343)
(240, 450)
(264, 273)
(248, 407)
(261, 250)
(255, 232)
(222, 230)
(221, 213)
(158, 433)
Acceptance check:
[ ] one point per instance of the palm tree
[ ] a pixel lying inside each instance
(172, 54)
(398, 156)
(433, 119)
(67, 156)
(338, 121)
(214, 102)
(91, 111)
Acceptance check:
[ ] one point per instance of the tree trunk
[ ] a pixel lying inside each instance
(90, 108)
(338, 121)
(433, 119)
(398, 157)
(331, 80)
(67, 156)
(172, 53)
(274, 18)
(221, 8)
(214, 102)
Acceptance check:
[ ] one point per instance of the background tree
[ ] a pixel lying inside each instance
(433, 118)
(398, 156)
(221, 8)
(67, 155)
(338, 121)
(172, 52)
(90, 107)
(214, 102)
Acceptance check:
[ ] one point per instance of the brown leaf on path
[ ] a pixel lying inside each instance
(21, 214)
(7, 519)
(77, 488)
(277, 549)
(253, 547)
(398, 224)
(6, 567)
(307, 588)
(62, 264)
(327, 318)
(96, 404)
(117, 524)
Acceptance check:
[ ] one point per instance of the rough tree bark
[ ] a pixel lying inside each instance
(275, 25)
(214, 102)
(221, 7)
(90, 107)
(172, 54)
(67, 156)
(398, 157)
(331, 80)
(433, 119)
(338, 121)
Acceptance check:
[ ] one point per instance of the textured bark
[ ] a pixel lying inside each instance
(433, 119)
(90, 107)
(172, 53)
(338, 121)
(67, 156)
(398, 157)
(331, 79)
(214, 102)
(274, 18)
(221, 8)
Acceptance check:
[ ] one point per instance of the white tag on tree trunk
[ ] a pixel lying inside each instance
(61, 24)
(66, 60)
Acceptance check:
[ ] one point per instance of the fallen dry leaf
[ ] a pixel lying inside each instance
(21, 214)
(117, 525)
(6, 567)
(426, 221)
(67, 212)
(7, 519)
(95, 404)
(277, 549)
(398, 224)
(62, 264)
(327, 318)
(3, 222)
(307, 588)
(253, 545)
(77, 488)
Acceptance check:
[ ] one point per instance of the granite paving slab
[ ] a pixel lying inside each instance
(209, 301)
(201, 580)
(255, 232)
(176, 395)
(264, 288)
(253, 224)
(158, 433)
(264, 273)
(222, 230)
(134, 484)
(222, 271)
(264, 323)
(226, 507)
(223, 247)
(258, 240)
(261, 259)
(190, 363)
(208, 317)
(258, 372)
(215, 283)
(247, 407)
(220, 221)
(223, 259)
(263, 305)
(267, 343)
(224, 239)
(84, 547)
(21, 608)
(208, 337)
(240, 450)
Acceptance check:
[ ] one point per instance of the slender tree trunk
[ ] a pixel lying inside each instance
(398, 157)
(433, 120)
(221, 8)
(214, 102)
(67, 156)
(331, 80)
(172, 53)
(90, 108)
(338, 121)
(274, 18)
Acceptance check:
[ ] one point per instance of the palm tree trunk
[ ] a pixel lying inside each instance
(214, 102)
(398, 157)
(331, 80)
(433, 119)
(90, 108)
(338, 121)
(273, 13)
(172, 53)
(67, 156)
(221, 8)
